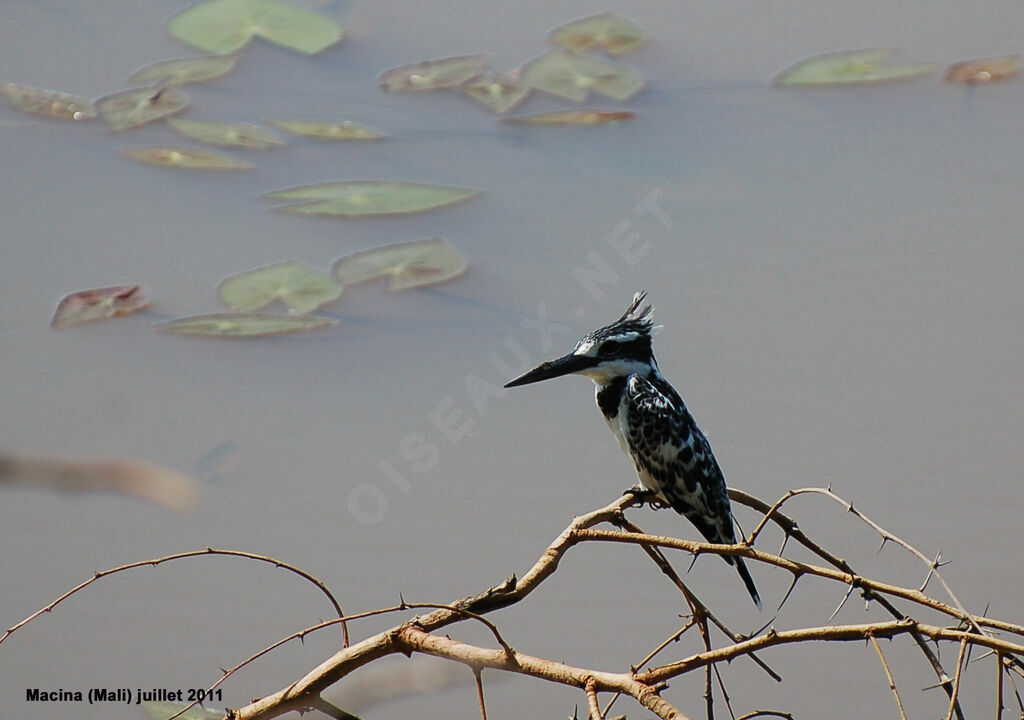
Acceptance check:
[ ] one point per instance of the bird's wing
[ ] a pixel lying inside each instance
(666, 443)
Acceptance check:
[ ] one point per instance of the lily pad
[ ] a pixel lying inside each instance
(298, 286)
(184, 70)
(244, 135)
(344, 130)
(583, 116)
(854, 67)
(137, 107)
(610, 32)
(432, 74)
(224, 26)
(985, 70)
(47, 103)
(367, 198)
(186, 157)
(573, 76)
(408, 265)
(98, 304)
(243, 325)
(499, 91)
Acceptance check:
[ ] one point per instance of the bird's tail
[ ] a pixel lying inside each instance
(741, 568)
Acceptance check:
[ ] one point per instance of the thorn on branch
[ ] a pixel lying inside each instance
(842, 602)
(796, 578)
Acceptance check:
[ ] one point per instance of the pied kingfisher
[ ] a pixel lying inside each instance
(648, 417)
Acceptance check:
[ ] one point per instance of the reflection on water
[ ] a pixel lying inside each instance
(836, 272)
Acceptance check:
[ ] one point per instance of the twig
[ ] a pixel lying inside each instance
(702, 614)
(709, 697)
(595, 708)
(956, 677)
(480, 693)
(661, 646)
(834, 633)
(725, 693)
(999, 686)
(410, 638)
(888, 676)
(891, 537)
(858, 581)
(945, 681)
(179, 556)
(462, 611)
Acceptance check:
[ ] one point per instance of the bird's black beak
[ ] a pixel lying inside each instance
(555, 368)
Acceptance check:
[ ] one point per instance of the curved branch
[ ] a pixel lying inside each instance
(833, 633)
(179, 556)
(793, 566)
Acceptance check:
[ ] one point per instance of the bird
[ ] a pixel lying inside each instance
(673, 458)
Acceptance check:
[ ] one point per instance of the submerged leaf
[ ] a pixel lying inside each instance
(573, 76)
(224, 133)
(408, 265)
(853, 67)
(583, 116)
(232, 325)
(47, 103)
(608, 31)
(98, 304)
(164, 710)
(344, 130)
(136, 107)
(186, 157)
(499, 91)
(298, 286)
(432, 74)
(367, 197)
(224, 26)
(184, 70)
(143, 480)
(985, 70)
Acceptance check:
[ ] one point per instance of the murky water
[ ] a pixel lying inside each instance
(837, 273)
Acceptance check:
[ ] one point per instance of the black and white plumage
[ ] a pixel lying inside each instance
(672, 456)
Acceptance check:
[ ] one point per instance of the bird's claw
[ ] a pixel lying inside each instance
(646, 496)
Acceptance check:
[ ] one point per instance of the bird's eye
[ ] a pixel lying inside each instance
(608, 347)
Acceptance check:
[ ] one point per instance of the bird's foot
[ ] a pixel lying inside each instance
(645, 496)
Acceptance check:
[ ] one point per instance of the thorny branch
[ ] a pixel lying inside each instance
(420, 634)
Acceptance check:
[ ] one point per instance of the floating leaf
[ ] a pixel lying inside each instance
(573, 76)
(184, 70)
(186, 157)
(608, 31)
(854, 67)
(409, 264)
(344, 130)
(48, 103)
(298, 286)
(143, 480)
(236, 325)
(432, 74)
(583, 116)
(362, 198)
(136, 107)
(499, 91)
(98, 304)
(224, 26)
(223, 133)
(985, 70)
